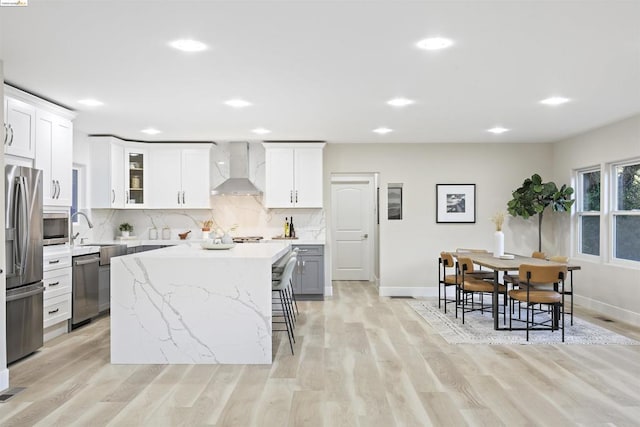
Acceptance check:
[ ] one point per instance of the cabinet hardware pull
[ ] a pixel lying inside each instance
(6, 133)
(178, 197)
(58, 186)
(54, 283)
(11, 129)
(304, 250)
(54, 311)
(291, 196)
(183, 202)
(296, 196)
(127, 194)
(113, 196)
(54, 262)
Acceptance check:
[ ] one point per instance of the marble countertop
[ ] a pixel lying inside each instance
(196, 242)
(269, 250)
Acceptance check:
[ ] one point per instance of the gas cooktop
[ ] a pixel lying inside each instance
(247, 239)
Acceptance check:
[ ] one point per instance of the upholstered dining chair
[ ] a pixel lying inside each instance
(470, 285)
(477, 273)
(567, 288)
(529, 276)
(513, 279)
(447, 277)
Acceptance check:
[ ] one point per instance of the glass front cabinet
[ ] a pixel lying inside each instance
(135, 170)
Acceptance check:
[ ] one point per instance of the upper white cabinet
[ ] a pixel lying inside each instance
(178, 177)
(107, 173)
(293, 175)
(20, 128)
(54, 155)
(135, 179)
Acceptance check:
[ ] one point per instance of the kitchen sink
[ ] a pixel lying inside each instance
(109, 250)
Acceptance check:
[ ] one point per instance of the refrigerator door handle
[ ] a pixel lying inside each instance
(22, 228)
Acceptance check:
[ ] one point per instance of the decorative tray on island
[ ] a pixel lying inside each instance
(209, 245)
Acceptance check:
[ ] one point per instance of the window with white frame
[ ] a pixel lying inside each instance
(588, 210)
(625, 210)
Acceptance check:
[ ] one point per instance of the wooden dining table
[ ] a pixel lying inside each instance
(486, 259)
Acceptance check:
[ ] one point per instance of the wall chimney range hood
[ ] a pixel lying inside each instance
(238, 183)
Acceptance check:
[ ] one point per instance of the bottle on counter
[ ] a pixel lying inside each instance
(286, 226)
(292, 230)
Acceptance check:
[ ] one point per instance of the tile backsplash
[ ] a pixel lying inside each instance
(246, 213)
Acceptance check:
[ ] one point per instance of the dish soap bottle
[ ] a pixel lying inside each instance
(286, 227)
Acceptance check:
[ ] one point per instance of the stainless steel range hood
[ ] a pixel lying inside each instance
(238, 183)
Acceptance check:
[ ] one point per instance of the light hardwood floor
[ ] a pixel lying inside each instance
(361, 360)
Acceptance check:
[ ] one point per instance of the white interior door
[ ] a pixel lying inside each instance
(352, 218)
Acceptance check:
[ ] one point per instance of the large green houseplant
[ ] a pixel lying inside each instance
(533, 197)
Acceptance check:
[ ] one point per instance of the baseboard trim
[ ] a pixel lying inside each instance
(328, 291)
(4, 379)
(609, 310)
(408, 291)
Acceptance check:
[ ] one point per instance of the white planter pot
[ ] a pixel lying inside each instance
(124, 233)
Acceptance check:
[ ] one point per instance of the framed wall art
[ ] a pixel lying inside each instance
(456, 203)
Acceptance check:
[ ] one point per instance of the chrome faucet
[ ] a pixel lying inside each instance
(85, 216)
(75, 236)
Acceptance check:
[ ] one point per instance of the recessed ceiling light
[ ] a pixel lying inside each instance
(434, 43)
(238, 103)
(261, 131)
(382, 130)
(555, 100)
(498, 130)
(91, 102)
(400, 102)
(151, 131)
(188, 45)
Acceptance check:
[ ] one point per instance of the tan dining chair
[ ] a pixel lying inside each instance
(447, 278)
(513, 279)
(477, 273)
(529, 276)
(470, 285)
(567, 288)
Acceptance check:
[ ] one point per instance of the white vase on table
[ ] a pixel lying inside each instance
(498, 244)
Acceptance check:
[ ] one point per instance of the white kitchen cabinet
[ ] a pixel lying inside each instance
(57, 281)
(54, 155)
(135, 177)
(107, 173)
(20, 128)
(178, 178)
(293, 175)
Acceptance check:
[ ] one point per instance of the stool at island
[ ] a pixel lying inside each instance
(282, 304)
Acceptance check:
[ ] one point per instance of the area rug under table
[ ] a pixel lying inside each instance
(478, 329)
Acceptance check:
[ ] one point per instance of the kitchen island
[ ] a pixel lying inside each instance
(188, 305)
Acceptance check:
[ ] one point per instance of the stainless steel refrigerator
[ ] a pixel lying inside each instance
(23, 244)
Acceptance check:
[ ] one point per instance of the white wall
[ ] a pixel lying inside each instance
(409, 248)
(608, 288)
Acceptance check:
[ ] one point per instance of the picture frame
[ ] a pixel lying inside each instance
(394, 202)
(456, 203)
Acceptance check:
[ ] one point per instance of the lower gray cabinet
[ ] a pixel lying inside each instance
(308, 276)
(104, 287)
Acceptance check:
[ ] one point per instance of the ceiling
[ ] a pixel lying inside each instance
(324, 70)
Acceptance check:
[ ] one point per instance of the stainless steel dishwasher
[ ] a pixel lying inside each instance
(85, 288)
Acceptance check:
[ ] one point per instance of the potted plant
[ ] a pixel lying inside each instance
(534, 196)
(125, 229)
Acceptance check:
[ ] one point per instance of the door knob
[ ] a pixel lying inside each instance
(365, 236)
